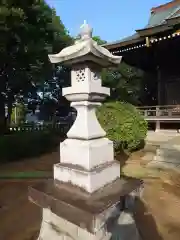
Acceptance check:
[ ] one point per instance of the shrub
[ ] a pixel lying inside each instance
(123, 123)
(25, 144)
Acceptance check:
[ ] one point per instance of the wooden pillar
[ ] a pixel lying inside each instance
(157, 121)
(159, 69)
(158, 127)
(159, 86)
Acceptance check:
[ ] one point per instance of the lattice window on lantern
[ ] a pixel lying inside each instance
(80, 75)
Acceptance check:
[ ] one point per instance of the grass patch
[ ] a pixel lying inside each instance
(25, 175)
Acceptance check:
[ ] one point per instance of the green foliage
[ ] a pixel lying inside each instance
(99, 40)
(125, 83)
(25, 175)
(18, 114)
(13, 116)
(25, 144)
(95, 38)
(123, 123)
(29, 31)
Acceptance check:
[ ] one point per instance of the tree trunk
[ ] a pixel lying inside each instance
(10, 107)
(3, 125)
(9, 113)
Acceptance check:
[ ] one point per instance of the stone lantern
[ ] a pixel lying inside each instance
(87, 157)
(85, 192)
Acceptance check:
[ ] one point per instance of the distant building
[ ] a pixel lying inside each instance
(156, 49)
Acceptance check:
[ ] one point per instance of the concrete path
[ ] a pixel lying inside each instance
(160, 137)
(167, 155)
(156, 139)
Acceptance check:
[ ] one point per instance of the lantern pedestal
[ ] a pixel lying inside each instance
(72, 214)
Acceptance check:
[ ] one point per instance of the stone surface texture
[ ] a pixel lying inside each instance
(73, 214)
(167, 155)
(85, 49)
(55, 228)
(87, 156)
(160, 137)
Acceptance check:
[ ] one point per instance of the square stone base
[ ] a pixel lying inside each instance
(72, 214)
(122, 227)
(90, 181)
(87, 154)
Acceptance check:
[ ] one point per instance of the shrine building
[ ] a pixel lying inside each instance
(156, 49)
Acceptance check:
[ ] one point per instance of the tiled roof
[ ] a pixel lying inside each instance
(126, 39)
(176, 14)
(158, 18)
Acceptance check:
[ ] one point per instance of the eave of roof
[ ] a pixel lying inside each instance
(146, 32)
(135, 38)
(173, 21)
(159, 21)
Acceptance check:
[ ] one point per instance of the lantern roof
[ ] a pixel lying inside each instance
(85, 49)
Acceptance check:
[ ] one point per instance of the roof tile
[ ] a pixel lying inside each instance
(158, 17)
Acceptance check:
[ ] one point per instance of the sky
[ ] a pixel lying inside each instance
(112, 20)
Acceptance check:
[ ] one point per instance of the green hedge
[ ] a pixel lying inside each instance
(123, 123)
(26, 144)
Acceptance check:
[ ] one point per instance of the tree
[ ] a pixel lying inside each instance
(18, 114)
(51, 94)
(124, 81)
(28, 32)
(99, 40)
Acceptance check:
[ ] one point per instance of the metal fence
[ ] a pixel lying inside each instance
(62, 128)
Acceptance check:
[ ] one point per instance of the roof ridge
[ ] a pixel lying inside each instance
(165, 6)
(170, 15)
(175, 12)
